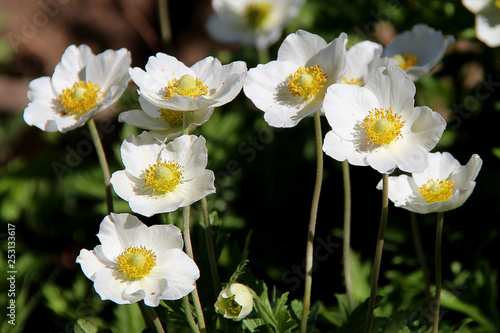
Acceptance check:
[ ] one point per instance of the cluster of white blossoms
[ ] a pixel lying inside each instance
(366, 93)
(164, 169)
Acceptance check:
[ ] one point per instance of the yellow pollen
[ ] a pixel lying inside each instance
(82, 97)
(437, 190)
(497, 3)
(355, 81)
(306, 82)
(256, 13)
(186, 86)
(233, 307)
(382, 126)
(163, 177)
(173, 117)
(406, 60)
(136, 262)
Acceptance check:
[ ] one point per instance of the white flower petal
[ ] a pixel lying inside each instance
(138, 152)
(299, 47)
(90, 263)
(488, 26)
(181, 273)
(475, 5)
(71, 67)
(140, 119)
(109, 287)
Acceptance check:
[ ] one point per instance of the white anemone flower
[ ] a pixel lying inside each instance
(251, 22)
(135, 262)
(418, 50)
(363, 60)
(169, 84)
(443, 186)
(82, 85)
(378, 124)
(293, 86)
(158, 177)
(163, 124)
(235, 302)
(487, 20)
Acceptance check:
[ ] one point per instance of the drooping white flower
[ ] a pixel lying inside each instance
(363, 60)
(443, 186)
(169, 84)
(82, 85)
(293, 86)
(235, 302)
(251, 22)
(163, 124)
(158, 177)
(378, 124)
(135, 262)
(487, 20)
(418, 50)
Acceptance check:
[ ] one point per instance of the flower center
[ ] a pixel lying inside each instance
(81, 98)
(136, 262)
(186, 86)
(355, 81)
(173, 117)
(233, 307)
(306, 82)
(406, 60)
(382, 126)
(163, 177)
(437, 190)
(256, 13)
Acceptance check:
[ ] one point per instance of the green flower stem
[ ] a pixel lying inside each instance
(417, 241)
(269, 321)
(103, 162)
(189, 250)
(210, 246)
(189, 315)
(185, 122)
(378, 253)
(263, 55)
(153, 316)
(347, 235)
(165, 30)
(437, 298)
(312, 222)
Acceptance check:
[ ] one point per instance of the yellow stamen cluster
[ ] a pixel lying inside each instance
(173, 117)
(406, 60)
(233, 308)
(355, 81)
(256, 13)
(186, 86)
(82, 97)
(306, 82)
(136, 262)
(382, 126)
(497, 3)
(163, 177)
(437, 190)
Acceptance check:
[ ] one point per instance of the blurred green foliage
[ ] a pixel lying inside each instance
(264, 180)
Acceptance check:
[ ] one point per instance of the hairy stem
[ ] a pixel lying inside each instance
(378, 253)
(312, 222)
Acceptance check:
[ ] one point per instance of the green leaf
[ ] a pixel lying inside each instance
(84, 326)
